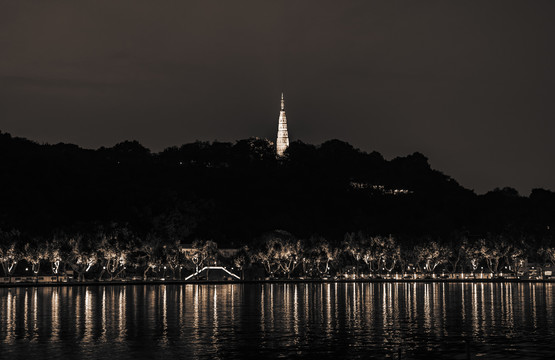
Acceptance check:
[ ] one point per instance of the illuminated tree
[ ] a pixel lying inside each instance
(430, 255)
(354, 244)
(383, 252)
(517, 258)
(391, 253)
(206, 253)
(473, 254)
(266, 255)
(371, 256)
(290, 255)
(83, 254)
(9, 252)
(114, 247)
(280, 252)
(190, 260)
(242, 259)
(151, 254)
(173, 257)
(170, 228)
(319, 255)
(456, 250)
(34, 252)
(548, 253)
(379, 253)
(407, 256)
(58, 252)
(494, 248)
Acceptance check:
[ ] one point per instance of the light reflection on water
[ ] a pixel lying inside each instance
(331, 320)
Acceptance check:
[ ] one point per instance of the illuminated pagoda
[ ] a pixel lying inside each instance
(282, 142)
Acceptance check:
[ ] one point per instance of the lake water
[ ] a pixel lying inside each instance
(270, 321)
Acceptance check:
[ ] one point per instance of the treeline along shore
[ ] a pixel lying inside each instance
(127, 213)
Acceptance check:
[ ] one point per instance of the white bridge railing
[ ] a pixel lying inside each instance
(212, 268)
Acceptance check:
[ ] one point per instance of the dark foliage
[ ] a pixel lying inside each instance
(233, 193)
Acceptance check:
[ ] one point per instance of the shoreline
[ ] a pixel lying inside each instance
(275, 281)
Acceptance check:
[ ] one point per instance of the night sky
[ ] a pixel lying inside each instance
(468, 83)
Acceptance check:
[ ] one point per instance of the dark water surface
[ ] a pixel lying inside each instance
(268, 321)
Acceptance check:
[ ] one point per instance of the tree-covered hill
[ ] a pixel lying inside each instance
(234, 192)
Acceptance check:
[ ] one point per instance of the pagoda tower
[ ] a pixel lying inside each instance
(282, 142)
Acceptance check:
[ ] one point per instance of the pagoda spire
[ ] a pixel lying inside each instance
(282, 142)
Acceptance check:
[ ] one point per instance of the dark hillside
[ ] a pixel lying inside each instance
(232, 193)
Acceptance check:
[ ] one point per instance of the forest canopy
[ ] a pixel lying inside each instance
(232, 193)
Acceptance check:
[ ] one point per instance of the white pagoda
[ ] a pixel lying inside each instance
(282, 142)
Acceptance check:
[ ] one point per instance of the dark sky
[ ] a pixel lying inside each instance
(468, 83)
